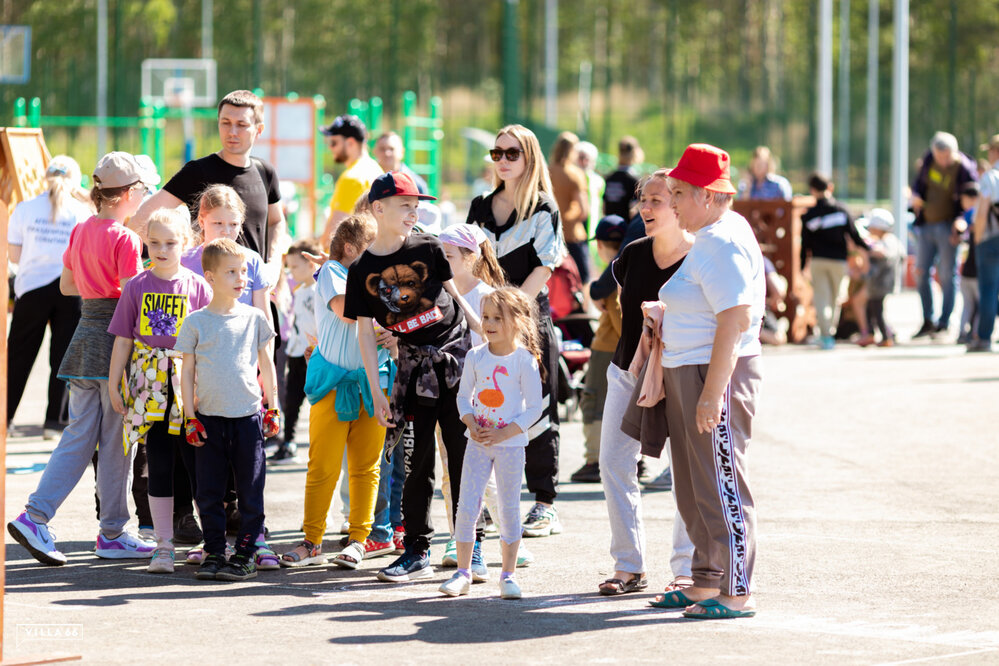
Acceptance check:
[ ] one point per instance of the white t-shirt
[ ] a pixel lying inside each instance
(474, 300)
(500, 390)
(303, 326)
(723, 269)
(42, 241)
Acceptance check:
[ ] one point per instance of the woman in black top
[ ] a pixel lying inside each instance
(521, 220)
(641, 269)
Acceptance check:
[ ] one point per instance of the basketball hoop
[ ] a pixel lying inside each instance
(178, 92)
(180, 83)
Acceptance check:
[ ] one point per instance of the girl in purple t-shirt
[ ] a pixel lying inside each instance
(146, 321)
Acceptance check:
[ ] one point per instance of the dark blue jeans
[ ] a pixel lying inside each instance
(987, 263)
(239, 444)
(934, 247)
(388, 507)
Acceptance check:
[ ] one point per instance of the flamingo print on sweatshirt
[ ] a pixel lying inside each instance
(501, 390)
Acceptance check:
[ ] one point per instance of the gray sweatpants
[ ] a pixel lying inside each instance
(619, 456)
(90, 417)
(709, 474)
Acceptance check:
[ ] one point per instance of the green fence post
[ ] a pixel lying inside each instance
(35, 112)
(408, 104)
(375, 114)
(20, 112)
(145, 126)
(159, 124)
(436, 136)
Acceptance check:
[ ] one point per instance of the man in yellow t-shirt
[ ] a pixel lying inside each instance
(346, 137)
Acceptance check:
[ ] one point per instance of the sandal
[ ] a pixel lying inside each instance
(714, 610)
(615, 586)
(303, 554)
(672, 599)
(680, 583)
(265, 558)
(351, 556)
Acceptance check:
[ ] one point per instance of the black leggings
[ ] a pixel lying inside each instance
(294, 394)
(33, 311)
(541, 455)
(161, 451)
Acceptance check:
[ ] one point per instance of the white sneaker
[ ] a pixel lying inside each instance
(123, 547)
(345, 527)
(37, 539)
(542, 521)
(525, 558)
(456, 585)
(162, 561)
(147, 534)
(509, 588)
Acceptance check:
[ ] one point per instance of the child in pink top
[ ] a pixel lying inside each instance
(101, 257)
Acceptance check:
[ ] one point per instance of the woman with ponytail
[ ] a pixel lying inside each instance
(38, 236)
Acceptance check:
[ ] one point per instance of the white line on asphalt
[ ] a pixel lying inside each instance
(912, 633)
(829, 537)
(938, 657)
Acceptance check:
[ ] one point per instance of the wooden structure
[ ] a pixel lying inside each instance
(23, 161)
(778, 228)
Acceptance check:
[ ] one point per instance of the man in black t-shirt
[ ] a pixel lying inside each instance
(240, 119)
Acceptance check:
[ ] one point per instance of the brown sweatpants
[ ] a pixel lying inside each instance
(709, 474)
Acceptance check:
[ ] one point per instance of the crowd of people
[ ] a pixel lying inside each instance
(184, 320)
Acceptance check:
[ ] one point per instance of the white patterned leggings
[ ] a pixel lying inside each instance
(480, 462)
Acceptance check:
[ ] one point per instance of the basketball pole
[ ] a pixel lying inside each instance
(102, 77)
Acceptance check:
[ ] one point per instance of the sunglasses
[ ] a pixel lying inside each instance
(512, 154)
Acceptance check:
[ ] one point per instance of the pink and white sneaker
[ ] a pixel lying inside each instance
(37, 539)
(398, 536)
(125, 546)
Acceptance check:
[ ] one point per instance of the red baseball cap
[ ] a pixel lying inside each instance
(395, 184)
(704, 166)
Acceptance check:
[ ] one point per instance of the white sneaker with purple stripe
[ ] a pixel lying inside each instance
(124, 546)
(37, 539)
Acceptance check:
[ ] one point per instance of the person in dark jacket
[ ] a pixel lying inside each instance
(936, 200)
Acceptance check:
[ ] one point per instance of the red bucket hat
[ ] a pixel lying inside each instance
(704, 166)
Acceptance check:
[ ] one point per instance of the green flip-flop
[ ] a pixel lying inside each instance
(673, 599)
(713, 610)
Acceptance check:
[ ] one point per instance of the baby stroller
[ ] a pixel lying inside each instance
(574, 333)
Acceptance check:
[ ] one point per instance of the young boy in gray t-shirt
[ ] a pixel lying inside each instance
(222, 345)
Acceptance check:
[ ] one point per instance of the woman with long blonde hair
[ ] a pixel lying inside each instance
(38, 235)
(521, 220)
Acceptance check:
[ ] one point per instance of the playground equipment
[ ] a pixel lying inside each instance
(291, 140)
(421, 135)
(292, 143)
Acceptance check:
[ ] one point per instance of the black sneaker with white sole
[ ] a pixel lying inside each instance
(239, 567)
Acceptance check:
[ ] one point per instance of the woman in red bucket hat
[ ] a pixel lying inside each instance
(711, 361)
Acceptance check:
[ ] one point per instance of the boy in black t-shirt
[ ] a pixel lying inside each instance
(403, 282)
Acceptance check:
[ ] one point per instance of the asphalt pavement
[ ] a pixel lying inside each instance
(875, 477)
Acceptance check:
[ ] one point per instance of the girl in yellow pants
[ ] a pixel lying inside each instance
(340, 419)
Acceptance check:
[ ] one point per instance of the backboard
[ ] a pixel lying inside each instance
(180, 81)
(15, 54)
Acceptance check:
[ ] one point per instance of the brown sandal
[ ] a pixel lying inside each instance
(680, 583)
(615, 586)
